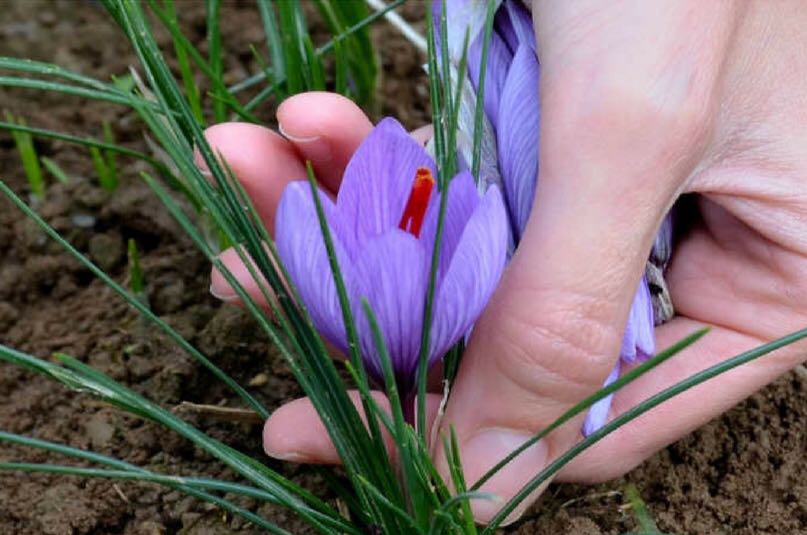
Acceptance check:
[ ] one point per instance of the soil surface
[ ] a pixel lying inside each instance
(741, 474)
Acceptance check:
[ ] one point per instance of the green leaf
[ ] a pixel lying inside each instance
(30, 160)
(54, 169)
(106, 177)
(640, 511)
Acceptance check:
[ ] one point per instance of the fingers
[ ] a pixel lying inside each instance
(326, 129)
(322, 127)
(222, 290)
(295, 433)
(261, 160)
(725, 275)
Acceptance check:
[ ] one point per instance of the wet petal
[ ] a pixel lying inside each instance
(462, 202)
(473, 274)
(639, 338)
(391, 274)
(302, 249)
(378, 179)
(518, 143)
(598, 413)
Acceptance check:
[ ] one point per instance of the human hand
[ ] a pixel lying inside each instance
(640, 104)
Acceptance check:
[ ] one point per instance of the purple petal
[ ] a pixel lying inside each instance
(302, 249)
(391, 273)
(639, 338)
(498, 65)
(473, 274)
(378, 179)
(598, 413)
(518, 143)
(463, 199)
(514, 23)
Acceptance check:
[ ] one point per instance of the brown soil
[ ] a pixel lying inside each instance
(740, 474)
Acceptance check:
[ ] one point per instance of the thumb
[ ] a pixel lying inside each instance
(553, 330)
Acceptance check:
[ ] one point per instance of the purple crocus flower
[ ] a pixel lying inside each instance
(383, 224)
(510, 155)
(510, 158)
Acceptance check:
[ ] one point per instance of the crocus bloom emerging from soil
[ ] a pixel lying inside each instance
(513, 117)
(383, 225)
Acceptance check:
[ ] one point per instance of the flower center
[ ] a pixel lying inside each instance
(415, 210)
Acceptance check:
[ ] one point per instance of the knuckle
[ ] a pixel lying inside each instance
(652, 115)
(566, 346)
(641, 111)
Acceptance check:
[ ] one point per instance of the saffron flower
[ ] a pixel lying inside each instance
(510, 151)
(383, 223)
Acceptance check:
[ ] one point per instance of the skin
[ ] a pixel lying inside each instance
(642, 102)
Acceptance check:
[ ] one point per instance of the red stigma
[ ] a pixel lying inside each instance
(415, 210)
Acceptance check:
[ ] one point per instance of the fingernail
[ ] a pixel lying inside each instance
(200, 162)
(314, 148)
(278, 444)
(288, 456)
(224, 294)
(484, 450)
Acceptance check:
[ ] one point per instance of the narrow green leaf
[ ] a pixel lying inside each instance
(479, 112)
(136, 282)
(110, 156)
(273, 42)
(30, 160)
(640, 511)
(270, 90)
(106, 178)
(54, 169)
(216, 58)
(185, 70)
(87, 142)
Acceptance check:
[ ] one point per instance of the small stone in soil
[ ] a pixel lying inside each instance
(259, 380)
(83, 220)
(106, 250)
(99, 430)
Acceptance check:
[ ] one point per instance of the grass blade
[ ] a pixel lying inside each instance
(54, 169)
(216, 58)
(30, 161)
(646, 524)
